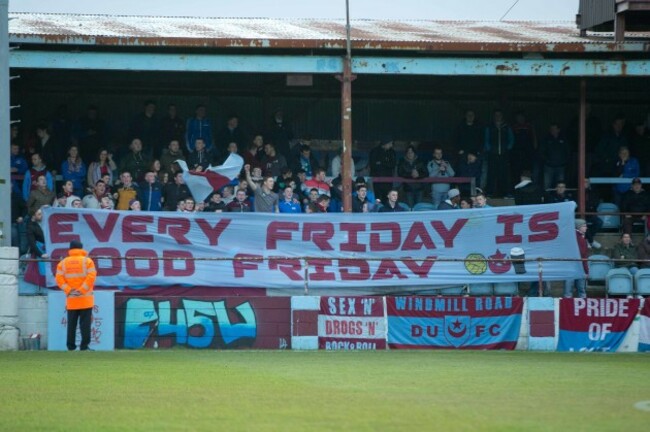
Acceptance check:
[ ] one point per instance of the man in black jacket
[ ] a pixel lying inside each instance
(174, 192)
(383, 161)
(594, 223)
(527, 192)
(636, 200)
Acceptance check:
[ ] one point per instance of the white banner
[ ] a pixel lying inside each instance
(339, 250)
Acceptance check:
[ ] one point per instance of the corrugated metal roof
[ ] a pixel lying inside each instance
(110, 30)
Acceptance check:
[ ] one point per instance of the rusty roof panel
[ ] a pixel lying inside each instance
(473, 36)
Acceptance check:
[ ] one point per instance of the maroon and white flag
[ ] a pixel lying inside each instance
(203, 183)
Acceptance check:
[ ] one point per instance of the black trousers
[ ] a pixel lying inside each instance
(84, 317)
(498, 175)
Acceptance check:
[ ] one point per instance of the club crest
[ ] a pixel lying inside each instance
(457, 329)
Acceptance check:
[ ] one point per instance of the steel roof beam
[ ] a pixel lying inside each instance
(327, 64)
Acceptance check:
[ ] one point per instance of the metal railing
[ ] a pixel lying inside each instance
(307, 263)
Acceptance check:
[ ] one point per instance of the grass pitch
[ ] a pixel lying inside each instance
(307, 391)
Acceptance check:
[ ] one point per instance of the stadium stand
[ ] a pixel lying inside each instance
(610, 221)
(619, 281)
(642, 282)
(599, 265)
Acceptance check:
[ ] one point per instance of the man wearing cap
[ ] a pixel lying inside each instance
(452, 202)
(75, 276)
(636, 200)
(580, 284)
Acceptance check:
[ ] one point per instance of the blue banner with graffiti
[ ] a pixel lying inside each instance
(203, 322)
(453, 322)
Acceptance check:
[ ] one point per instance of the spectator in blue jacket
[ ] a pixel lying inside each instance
(74, 169)
(18, 166)
(151, 193)
(626, 167)
(198, 127)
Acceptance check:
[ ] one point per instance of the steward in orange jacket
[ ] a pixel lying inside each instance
(75, 275)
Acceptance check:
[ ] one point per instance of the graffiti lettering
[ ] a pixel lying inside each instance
(197, 324)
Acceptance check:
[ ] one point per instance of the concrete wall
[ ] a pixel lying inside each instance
(8, 299)
(32, 317)
(299, 327)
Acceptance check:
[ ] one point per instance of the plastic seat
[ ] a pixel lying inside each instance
(404, 206)
(480, 289)
(642, 282)
(424, 206)
(598, 269)
(611, 222)
(619, 282)
(506, 289)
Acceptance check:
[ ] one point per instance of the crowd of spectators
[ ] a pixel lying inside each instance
(74, 164)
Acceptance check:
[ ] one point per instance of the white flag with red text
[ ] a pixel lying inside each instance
(203, 183)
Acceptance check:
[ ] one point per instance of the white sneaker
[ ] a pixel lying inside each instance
(596, 244)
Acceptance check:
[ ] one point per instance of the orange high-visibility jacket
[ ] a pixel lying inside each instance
(75, 275)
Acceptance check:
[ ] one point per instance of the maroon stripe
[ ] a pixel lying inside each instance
(343, 307)
(217, 181)
(305, 323)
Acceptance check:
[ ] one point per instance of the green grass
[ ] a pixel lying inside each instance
(306, 391)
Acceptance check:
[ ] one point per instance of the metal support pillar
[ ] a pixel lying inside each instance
(5, 119)
(346, 126)
(346, 119)
(581, 148)
(619, 27)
